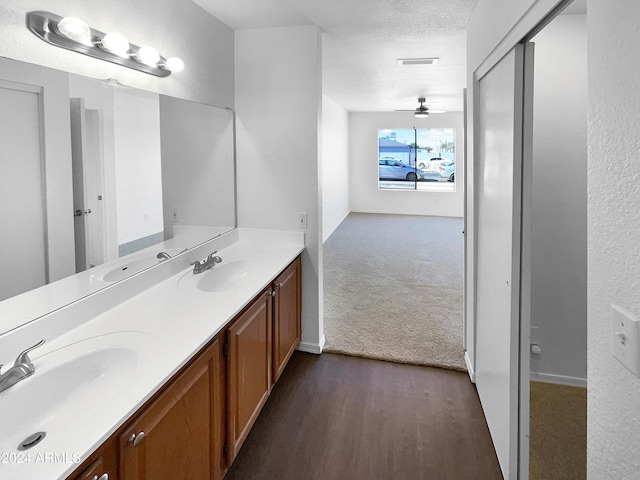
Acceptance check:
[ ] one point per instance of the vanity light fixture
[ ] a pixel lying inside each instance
(74, 34)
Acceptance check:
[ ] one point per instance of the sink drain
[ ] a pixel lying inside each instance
(32, 440)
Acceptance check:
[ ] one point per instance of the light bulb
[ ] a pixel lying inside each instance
(174, 64)
(75, 29)
(148, 55)
(116, 43)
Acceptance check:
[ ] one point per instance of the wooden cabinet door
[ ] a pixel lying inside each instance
(286, 316)
(248, 370)
(102, 465)
(174, 437)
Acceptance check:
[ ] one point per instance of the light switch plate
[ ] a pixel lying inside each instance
(625, 337)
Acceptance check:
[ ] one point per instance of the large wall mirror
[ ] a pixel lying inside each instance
(98, 179)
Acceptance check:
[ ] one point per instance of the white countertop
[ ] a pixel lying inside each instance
(25, 307)
(146, 339)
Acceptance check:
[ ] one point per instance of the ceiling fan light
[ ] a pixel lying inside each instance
(419, 114)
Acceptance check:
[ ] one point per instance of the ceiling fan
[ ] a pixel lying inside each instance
(422, 111)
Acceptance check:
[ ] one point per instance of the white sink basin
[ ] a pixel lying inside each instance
(129, 265)
(221, 278)
(60, 396)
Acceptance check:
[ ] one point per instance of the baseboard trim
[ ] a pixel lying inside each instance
(312, 347)
(421, 214)
(472, 373)
(558, 379)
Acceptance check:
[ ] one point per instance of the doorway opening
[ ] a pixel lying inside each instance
(393, 289)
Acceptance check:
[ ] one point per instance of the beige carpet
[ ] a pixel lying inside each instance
(558, 432)
(393, 289)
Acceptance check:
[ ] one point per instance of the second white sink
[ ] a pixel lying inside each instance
(221, 278)
(128, 266)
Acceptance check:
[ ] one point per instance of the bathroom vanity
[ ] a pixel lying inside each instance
(180, 432)
(175, 376)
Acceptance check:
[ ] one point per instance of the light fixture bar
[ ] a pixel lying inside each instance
(418, 61)
(45, 26)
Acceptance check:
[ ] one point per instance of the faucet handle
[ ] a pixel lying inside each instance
(23, 358)
(211, 255)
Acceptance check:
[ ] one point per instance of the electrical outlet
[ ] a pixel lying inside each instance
(175, 215)
(302, 221)
(533, 335)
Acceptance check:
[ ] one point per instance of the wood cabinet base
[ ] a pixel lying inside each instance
(195, 425)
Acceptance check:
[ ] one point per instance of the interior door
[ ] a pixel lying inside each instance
(499, 117)
(77, 153)
(94, 190)
(88, 188)
(23, 264)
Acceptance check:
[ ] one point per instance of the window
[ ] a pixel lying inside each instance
(416, 159)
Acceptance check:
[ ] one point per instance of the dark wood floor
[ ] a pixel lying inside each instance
(333, 417)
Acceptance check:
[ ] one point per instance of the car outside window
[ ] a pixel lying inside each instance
(416, 159)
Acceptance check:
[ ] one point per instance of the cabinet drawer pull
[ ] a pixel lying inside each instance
(280, 285)
(104, 476)
(273, 293)
(136, 439)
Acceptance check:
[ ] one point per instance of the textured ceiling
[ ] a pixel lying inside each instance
(362, 41)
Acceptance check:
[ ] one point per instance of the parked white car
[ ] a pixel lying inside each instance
(447, 170)
(431, 165)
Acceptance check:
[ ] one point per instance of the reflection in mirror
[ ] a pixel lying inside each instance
(97, 180)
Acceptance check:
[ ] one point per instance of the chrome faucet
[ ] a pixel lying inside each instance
(162, 256)
(21, 369)
(212, 259)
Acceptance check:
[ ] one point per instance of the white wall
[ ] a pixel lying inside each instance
(613, 233)
(363, 167)
(138, 164)
(174, 27)
(559, 225)
(197, 165)
(279, 97)
(335, 166)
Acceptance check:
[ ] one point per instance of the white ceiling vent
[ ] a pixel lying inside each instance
(418, 61)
